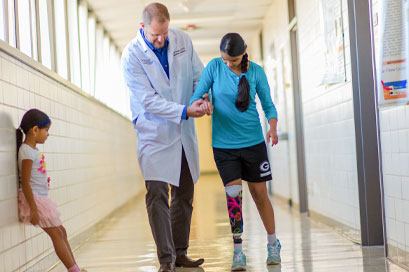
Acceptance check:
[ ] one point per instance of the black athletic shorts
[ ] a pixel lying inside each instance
(248, 163)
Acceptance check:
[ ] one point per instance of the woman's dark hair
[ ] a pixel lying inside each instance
(31, 119)
(233, 45)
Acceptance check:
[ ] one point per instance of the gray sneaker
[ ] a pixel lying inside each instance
(239, 261)
(274, 253)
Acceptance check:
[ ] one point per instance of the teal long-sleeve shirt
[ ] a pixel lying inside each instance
(231, 128)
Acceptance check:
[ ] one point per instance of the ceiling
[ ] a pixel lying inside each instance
(213, 19)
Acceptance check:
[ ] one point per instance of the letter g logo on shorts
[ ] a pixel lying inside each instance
(264, 166)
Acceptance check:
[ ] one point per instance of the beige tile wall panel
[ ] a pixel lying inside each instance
(204, 137)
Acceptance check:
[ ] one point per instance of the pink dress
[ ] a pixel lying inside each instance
(47, 210)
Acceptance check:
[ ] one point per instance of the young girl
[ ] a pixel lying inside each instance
(33, 203)
(238, 144)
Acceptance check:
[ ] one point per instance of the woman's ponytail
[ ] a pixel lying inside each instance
(233, 45)
(244, 63)
(243, 94)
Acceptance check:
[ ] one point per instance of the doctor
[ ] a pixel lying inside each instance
(162, 70)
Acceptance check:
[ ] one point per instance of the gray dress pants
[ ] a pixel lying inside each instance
(170, 225)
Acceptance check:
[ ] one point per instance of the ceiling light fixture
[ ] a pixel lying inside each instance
(188, 5)
(190, 27)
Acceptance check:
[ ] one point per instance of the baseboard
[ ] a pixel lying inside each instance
(351, 234)
(398, 256)
(209, 173)
(282, 200)
(354, 235)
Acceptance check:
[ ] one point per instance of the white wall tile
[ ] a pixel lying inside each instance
(400, 234)
(390, 207)
(5, 68)
(77, 152)
(8, 260)
(282, 157)
(1, 92)
(395, 141)
(403, 140)
(395, 160)
(407, 236)
(404, 211)
(401, 117)
(10, 95)
(13, 73)
(404, 169)
(393, 117)
(329, 131)
(406, 112)
(384, 120)
(2, 263)
(405, 187)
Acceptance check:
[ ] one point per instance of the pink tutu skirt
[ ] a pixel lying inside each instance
(47, 210)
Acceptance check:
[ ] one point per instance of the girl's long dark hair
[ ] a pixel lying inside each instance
(233, 45)
(31, 119)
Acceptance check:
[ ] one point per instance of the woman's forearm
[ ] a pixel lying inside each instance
(273, 124)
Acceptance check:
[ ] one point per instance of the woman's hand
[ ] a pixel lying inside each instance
(35, 217)
(207, 106)
(195, 109)
(272, 135)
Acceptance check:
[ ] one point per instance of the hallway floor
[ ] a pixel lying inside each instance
(125, 242)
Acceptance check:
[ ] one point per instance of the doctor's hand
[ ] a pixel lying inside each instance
(195, 109)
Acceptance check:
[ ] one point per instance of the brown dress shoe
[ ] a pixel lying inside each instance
(185, 261)
(167, 267)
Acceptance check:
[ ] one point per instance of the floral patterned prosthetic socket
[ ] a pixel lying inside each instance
(235, 215)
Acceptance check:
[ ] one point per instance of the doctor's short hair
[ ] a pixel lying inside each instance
(155, 11)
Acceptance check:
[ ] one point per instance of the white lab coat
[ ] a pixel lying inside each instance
(157, 104)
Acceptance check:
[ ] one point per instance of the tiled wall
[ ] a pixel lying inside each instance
(277, 60)
(394, 130)
(394, 125)
(329, 133)
(90, 154)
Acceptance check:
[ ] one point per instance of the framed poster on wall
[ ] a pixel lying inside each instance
(393, 71)
(334, 51)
